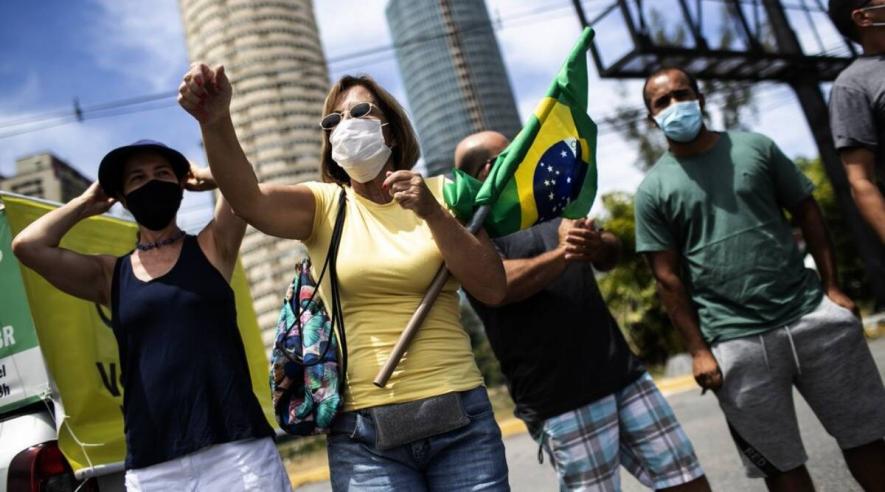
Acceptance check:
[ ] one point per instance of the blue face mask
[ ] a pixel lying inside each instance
(681, 122)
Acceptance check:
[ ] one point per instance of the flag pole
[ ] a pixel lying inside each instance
(424, 307)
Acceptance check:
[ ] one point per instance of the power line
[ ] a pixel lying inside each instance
(469, 28)
(524, 17)
(98, 107)
(63, 117)
(103, 113)
(382, 53)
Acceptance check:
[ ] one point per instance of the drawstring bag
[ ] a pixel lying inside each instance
(307, 376)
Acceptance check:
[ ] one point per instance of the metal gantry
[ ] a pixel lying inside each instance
(757, 42)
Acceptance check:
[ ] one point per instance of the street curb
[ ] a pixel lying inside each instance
(678, 384)
(317, 474)
(510, 426)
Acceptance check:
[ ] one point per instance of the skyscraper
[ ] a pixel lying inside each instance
(272, 54)
(45, 176)
(454, 77)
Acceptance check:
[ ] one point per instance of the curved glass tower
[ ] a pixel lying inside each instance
(453, 73)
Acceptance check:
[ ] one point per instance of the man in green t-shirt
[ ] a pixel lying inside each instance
(710, 218)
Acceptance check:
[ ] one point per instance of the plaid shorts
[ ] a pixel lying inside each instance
(634, 427)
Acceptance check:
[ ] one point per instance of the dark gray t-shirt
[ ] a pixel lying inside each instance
(559, 349)
(857, 108)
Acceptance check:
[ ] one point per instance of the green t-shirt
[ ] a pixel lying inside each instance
(723, 212)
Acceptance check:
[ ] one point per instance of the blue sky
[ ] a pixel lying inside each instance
(105, 50)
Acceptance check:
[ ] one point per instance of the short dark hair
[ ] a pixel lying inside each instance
(840, 13)
(473, 159)
(406, 151)
(692, 82)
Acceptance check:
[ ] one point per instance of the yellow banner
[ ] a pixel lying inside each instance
(80, 348)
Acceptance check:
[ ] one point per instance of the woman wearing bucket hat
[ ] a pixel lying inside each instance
(191, 419)
(432, 427)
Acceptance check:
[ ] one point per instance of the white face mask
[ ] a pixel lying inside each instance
(358, 147)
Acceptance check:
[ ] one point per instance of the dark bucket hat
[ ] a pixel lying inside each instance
(110, 171)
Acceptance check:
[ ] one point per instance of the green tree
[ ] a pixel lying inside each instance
(630, 292)
(852, 274)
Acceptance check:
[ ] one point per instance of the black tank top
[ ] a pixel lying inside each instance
(185, 376)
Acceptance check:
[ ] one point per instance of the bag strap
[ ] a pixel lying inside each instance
(332, 260)
(336, 316)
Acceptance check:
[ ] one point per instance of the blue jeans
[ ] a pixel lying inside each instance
(470, 458)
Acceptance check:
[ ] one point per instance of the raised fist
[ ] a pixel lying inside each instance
(205, 93)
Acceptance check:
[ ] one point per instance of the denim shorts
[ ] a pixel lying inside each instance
(468, 458)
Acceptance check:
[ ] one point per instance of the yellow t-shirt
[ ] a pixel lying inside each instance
(386, 261)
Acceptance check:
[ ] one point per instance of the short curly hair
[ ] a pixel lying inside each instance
(692, 82)
(840, 13)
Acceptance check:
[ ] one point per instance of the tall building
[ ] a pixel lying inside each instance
(272, 54)
(454, 77)
(45, 176)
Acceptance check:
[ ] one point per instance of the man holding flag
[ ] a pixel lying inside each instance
(584, 397)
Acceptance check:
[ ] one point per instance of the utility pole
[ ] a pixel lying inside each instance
(808, 91)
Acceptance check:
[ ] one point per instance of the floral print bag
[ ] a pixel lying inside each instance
(307, 370)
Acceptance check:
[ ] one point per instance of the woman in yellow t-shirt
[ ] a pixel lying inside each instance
(432, 427)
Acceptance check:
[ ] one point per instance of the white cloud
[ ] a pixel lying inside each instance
(66, 142)
(141, 40)
(144, 42)
(532, 45)
(351, 25)
(22, 98)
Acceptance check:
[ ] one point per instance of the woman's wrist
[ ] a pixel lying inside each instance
(218, 124)
(436, 214)
(80, 207)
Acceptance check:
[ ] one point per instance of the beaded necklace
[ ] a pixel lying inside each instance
(160, 243)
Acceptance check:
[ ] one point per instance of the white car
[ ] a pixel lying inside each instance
(30, 460)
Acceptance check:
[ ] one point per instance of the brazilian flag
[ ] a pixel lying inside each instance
(549, 170)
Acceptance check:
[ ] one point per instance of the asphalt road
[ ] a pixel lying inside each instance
(703, 421)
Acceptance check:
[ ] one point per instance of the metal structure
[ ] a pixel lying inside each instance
(757, 42)
(754, 54)
(453, 73)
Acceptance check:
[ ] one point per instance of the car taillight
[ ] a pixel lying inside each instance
(42, 468)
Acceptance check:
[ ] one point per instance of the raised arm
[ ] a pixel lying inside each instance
(471, 259)
(586, 242)
(578, 241)
(674, 295)
(279, 210)
(37, 247)
(528, 276)
(859, 166)
(221, 238)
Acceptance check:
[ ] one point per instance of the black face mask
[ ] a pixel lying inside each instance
(155, 204)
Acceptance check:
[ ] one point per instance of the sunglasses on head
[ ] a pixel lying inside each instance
(358, 110)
